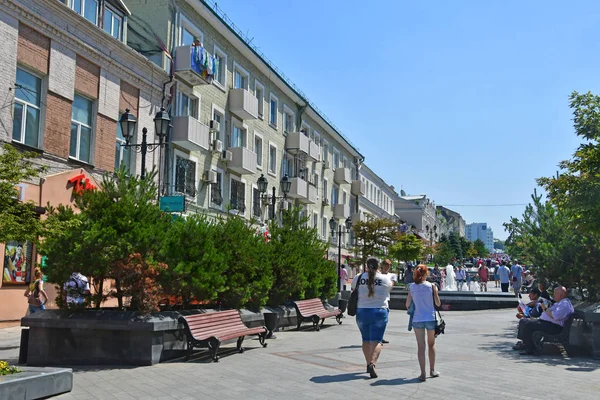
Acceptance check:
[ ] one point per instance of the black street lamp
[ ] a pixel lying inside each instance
(162, 123)
(340, 232)
(286, 185)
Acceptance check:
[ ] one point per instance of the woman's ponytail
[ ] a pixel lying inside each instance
(372, 266)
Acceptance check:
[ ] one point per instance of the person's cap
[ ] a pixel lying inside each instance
(536, 291)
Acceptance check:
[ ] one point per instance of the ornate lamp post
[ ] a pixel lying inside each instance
(162, 123)
(340, 232)
(286, 185)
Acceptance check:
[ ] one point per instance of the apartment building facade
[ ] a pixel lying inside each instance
(420, 212)
(66, 76)
(238, 120)
(456, 222)
(378, 198)
(481, 231)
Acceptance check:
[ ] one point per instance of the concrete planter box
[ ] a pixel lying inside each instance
(460, 301)
(36, 383)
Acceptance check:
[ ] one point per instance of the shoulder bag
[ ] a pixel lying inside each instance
(353, 302)
(440, 324)
(34, 296)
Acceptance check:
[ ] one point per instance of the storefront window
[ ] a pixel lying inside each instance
(17, 262)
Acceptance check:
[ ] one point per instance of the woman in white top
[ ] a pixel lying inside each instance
(372, 311)
(422, 294)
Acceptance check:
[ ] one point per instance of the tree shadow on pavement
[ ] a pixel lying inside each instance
(339, 378)
(394, 382)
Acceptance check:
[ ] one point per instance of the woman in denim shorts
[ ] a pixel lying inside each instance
(422, 294)
(372, 310)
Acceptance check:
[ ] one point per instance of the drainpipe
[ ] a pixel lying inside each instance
(167, 177)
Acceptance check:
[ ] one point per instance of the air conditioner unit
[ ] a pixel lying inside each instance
(215, 126)
(226, 156)
(326, 164)
(325, 201)
(217, 145)
(210, 177)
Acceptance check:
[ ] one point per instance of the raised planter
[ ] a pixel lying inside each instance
(36, 383)
(460, 301)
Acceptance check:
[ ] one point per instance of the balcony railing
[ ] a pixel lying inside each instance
(243, 104)
(312, 195)
(297, 143)
(358, 188)
(243, 160)
(314, 151)
(342, 175)
(298, 190)
(341, 211)
(190, 133)
(194, 65)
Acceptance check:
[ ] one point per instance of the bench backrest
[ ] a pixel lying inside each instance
(207, 324)
(310, 307)
(565, 332)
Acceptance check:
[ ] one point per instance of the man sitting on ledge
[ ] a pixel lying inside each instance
(551, 321)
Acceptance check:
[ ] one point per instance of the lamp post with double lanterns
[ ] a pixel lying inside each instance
(162, 123)
(340, 232)
(263, 183)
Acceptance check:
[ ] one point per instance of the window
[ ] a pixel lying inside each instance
(346, 165)
(305, 129)
(216, 191)
(112, 23)
(26, 110)
(122, 154)
(218, 115)
(317, 138)
(185, 176)
(325, 151)
(238, 137)
(81, 129)
(336, 158)
(344, 197)
(316, 221)
(221, 71)
(187, 105)
(273, 111)
(256, 211)
(189, 33)
(258, 149)
(288, 167)
(241, 78)
(272, 159)
(288, 120)
(324, 228)
(87, 8)
(325, 189)
(335, 194)
(259, 92)
(238, 195)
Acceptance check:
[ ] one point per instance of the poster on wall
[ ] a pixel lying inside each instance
(17, 262)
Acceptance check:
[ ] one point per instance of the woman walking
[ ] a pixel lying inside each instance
(372, 311)
(422, 294)
(35, 293)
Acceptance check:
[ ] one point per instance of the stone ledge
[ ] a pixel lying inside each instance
(36, 383)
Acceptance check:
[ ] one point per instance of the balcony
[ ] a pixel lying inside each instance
(190, 133)
(297, 143)
(243, 104)
(314, 151)
(342, 175)
(243, 160)
(358, 188)
(190, 66)
(341, 211)
(298, 189)
(312, 195)
(358, 217)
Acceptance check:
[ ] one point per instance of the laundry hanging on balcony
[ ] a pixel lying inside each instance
(203, 63)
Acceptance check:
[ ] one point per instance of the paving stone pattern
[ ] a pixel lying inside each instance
(475, 361)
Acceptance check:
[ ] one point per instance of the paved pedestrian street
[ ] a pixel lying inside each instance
(475, 361)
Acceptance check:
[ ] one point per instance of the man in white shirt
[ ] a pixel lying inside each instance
(76, 289)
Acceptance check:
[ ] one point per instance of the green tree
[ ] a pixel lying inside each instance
(374, 237)
(558, 251)
(297, 256)
(444, 253)
(406, 247)
(465, 246)
(454, 241)
(479, 246)
(498, 244)
(576, 189)
(18, 220)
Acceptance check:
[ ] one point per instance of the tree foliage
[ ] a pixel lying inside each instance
(576, 188)
(480, 248)
(559, 252)
(406, 247)
(18, 220)
(373, 237)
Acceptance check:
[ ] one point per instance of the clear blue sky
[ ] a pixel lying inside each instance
(466, 101)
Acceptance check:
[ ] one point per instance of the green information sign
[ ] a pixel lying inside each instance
(172, 203)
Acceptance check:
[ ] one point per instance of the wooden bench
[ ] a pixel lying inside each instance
(539, 338)
(313, 310)
(210, 329)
